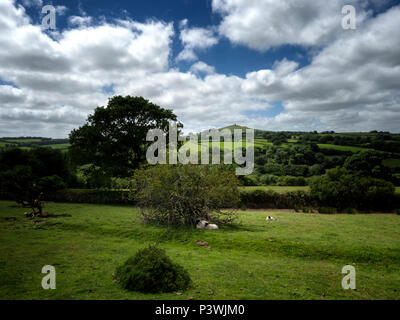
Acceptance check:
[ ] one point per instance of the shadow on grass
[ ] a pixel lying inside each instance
(61, 215)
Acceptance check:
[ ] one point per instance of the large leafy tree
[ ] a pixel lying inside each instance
(114, 137)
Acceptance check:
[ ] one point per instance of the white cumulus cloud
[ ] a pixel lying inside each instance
(194, 39)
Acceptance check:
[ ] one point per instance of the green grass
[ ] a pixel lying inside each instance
(222, 145)
(60, 146)
(342, 148)
(280, 189)
(283, 189)
(299, 256)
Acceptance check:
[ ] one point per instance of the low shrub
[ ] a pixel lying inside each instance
(291, 181)
(269, 199)
(181, 194)
(327, 210)
(151, 270)
(307, 210)
(350, 211)
(121, 183)
(268, 179)
(51, 183)
(92, 176)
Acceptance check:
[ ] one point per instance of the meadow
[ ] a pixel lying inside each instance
(280, 189)
(298, 256)
(342, 148)
(283, 189)
(29, 143)
(260, 142)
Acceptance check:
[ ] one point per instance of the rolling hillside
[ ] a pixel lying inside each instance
(34, 142)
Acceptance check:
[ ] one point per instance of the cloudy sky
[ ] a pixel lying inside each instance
(267, 64)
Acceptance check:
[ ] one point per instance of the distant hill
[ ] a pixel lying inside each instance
(33, 142)
(234, 126)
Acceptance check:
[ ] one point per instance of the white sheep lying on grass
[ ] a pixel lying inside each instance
(203, 224)
(269, 218)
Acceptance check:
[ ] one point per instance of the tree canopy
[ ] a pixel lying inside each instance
(114, 137)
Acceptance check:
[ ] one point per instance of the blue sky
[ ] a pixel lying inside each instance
(226, 57)
(274, 65)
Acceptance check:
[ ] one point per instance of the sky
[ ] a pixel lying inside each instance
(266, 64)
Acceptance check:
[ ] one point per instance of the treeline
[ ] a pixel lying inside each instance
(25, 174)
(293, 164)
(382, 141)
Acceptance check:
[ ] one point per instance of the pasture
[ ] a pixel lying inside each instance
(283, 189)
(29, 143)
(280, 189)
(342, 148)
(298, 256)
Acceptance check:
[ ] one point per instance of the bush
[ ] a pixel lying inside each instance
(269, 199)
(268, 179)
(121, 183)
(291, 181)
(91, 176)
(51, 183)
(351, 211)
(328, 210)
(151, 270)
(341, 189)
(307, 210)
(250, 180)
(180, 194)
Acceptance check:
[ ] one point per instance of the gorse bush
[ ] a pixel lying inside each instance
(180, 194)
(151, 270)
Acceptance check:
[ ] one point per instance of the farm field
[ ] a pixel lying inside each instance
(259, 142)
(298, 256)
(280, 189)
(342, 148)
(29, 143)
(61, 146)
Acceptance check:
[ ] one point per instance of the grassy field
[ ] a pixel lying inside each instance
(34, 143)
(61, 146)
(298, 256)
(280, 189)
(342, 148)
(259, 142)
